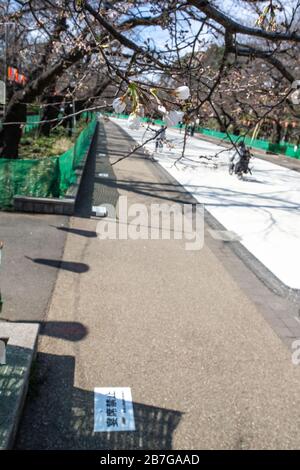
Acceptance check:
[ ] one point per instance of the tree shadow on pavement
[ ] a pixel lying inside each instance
(172, 192)
(218, 196)
(70, 331)
(77, 231)
(72, 266)
(58, 415)
(67, 330)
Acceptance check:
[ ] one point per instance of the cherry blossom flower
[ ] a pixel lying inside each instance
(182, 92)
(295, 97)
(119, 105)
(172, 118)
(134, 121)
(161, 109)
(140, 110)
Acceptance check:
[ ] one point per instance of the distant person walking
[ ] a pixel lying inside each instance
(160, 138)
(240, 159)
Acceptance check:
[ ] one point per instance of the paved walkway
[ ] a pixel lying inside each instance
(33, 247)
(205, 368)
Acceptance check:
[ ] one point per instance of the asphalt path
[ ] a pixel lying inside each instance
(33, 248)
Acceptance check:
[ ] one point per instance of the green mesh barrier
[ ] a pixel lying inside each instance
(37, 178)
(71, 159)
(283, 148)
(48, 177)
(31, 123)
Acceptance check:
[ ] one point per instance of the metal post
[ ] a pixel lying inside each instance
(74, 118)
(1, 247)
(5, 59)
(5, 66)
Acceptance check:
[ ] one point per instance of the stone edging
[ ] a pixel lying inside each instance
(14, 376)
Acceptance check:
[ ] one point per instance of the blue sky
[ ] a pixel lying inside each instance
(237, 10)
(159, 36)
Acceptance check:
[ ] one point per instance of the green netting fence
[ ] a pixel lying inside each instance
(32, 122)
(47, 177)
(283, 148)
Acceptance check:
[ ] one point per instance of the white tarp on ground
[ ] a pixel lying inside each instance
(264, 209)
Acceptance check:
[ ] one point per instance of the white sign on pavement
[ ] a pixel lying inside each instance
(113, 409)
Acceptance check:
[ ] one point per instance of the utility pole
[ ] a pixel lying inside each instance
(5, 58)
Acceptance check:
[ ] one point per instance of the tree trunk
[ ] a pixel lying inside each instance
(68, 121)
(15, 111)
(51, 112)
(287, 133)
(277, 130)
(12, 133)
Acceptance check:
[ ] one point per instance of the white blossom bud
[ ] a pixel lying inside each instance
(161, 109)
(134, 121)
(182, 92)
(119, 105)
(172, 118)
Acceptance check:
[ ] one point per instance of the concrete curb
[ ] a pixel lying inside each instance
(66, 205)
(14, 376)
(44, 205)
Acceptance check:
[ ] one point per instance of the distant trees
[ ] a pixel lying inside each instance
(251, 96)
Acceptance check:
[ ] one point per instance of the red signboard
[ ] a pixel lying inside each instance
(15, 76)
